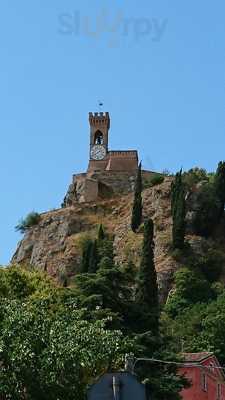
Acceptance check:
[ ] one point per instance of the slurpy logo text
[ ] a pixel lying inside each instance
(113, 27)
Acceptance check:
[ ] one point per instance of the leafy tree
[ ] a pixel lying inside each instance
(185, 327)
(147, 288)
(201, 328)
(191, 288)
(161, 380)
(49, 346)
(19, 283)
(178, 211)
(137, 204)
(46, 356)
(211, 337)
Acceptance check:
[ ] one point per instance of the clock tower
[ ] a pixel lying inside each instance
(102, 159)
(99, 136)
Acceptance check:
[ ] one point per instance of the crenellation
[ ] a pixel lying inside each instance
(124, 153)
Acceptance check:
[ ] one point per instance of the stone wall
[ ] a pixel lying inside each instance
(101, 185)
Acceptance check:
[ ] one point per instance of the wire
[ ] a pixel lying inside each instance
(179, 364)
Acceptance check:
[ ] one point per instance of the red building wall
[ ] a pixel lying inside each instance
(207, 382)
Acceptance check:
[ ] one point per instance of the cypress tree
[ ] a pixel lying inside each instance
(137, 204)
(101, 233)
(220, 185)
(94, 259)
(86, 253)
(147, 287)
(90, 257)
(178, 207)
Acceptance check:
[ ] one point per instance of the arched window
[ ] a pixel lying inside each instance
(98, 137)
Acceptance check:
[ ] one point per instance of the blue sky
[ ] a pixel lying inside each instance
(158, 66)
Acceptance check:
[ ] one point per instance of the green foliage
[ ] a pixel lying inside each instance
(137, 204)
(94, 259)
(201, 327)
(185, 327)
(157, 179)
(160, 379)
(208, 210)
(101, 233)
(178, 207)
(31, 219)
(18, 283)
(107, 289)
(191, 288)
(94, 250)
(210, 203)
(53, 356)
(51, 347)
(147, 288)
(220, 185)
(90, 256)
(110, 292)
(105, 248)
(86, 254)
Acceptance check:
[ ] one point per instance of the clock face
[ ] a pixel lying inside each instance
(98, 152)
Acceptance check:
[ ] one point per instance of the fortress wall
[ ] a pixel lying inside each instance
(89, 187)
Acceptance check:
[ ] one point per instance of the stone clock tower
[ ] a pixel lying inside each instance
(99, 137)
(109, 173)
(101, 158)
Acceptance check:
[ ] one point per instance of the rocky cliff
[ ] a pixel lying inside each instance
(54, 245)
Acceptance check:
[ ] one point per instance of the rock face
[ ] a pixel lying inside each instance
(55, 244)
(48, 246)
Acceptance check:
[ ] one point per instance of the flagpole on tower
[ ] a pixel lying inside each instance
(100, 105)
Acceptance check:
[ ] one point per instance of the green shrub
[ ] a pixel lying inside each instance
(31, 219)
(156, 180)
